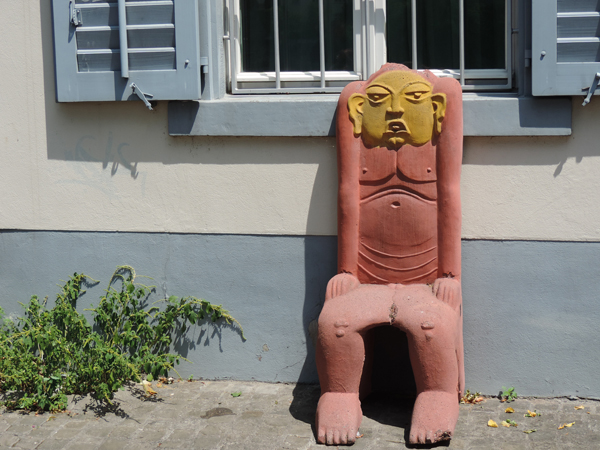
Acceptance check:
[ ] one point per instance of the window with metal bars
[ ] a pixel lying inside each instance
(287, 46)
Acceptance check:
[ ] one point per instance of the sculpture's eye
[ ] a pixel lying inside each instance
(416, 95)
(417, 92)
(377, 95)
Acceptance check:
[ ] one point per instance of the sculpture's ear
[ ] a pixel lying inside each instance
(355, 105)
(439, 110)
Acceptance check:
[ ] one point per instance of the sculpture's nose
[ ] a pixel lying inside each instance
(395, 107)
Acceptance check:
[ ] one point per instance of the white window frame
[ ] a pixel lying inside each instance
(369, 46)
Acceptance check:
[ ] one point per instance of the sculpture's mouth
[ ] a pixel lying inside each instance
(397, 126)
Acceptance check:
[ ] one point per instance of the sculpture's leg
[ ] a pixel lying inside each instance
(432, 328)
(340, 358)
(366, 377)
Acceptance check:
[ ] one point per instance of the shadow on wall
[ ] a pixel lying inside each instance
(543, 150)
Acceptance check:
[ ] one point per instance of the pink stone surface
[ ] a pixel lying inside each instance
(399, 260)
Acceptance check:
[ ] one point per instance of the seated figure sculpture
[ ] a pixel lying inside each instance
(399, 137)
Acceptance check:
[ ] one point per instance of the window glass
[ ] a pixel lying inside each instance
(339, 52)
(298, 35)
(485, 30)
(257, 47)
(438, 34)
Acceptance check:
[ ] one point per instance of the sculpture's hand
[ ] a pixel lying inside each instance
(341, 284)
(448, 290)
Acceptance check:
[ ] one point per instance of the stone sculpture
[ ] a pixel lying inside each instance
(399, 137)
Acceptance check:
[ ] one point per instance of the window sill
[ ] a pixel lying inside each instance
(314, 115)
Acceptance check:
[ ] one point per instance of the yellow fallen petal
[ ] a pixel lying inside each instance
(509, 410)
(504, 423)
(561, 427)
(531, 414)
(580, 407)
(569, 425)
(492, 424)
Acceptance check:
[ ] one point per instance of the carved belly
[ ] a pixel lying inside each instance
(398, 238)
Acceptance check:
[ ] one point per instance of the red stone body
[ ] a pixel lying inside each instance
(399, 223)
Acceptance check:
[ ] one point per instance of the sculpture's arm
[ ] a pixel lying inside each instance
(348, 185)
(449, 162)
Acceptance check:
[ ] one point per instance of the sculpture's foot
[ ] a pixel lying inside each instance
(338, 418)
(434, 417)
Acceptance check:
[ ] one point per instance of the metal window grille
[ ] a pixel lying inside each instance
(369, 47)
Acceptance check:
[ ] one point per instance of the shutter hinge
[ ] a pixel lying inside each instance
(591, 89)
(141, 95)
(75, 14)
(204, 64)
(528, 58)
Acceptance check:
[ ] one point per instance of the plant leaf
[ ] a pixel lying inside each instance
(492, 424)
(509, 410)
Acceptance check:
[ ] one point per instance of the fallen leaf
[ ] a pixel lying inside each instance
(587, 412)
(560, 427)
(492, 424)
(509, 410)
(148, 388)
(529, 431)
(569, 425)
(236, 394)
(531, 414)
(580, 407)
(51, 418)
(159, 384)
(504, 423)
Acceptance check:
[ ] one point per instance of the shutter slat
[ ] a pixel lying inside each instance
(578, 52)
(577, 5)
(582, 26)
(100, 38)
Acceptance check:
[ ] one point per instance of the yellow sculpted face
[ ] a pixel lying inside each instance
(399, 108)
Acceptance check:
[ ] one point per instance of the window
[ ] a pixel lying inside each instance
(321, 45)
(201, 50)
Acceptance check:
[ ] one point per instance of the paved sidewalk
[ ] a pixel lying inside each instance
(204, 415)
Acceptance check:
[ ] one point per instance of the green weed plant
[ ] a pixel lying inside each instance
(50, 353)
(508, 394)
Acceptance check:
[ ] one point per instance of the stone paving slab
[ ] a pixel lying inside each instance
(204, 415)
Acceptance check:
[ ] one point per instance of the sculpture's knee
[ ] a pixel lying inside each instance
(432, 330)
(332, 322)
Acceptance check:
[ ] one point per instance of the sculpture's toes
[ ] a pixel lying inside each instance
(338, 418)
(434, 417)
(336, 437)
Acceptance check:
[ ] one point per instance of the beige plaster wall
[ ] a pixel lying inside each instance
(104, 167)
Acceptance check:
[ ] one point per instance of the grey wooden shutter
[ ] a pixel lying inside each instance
(565, 46)
(97, 58)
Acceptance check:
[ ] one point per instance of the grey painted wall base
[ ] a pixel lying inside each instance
(532, 309)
